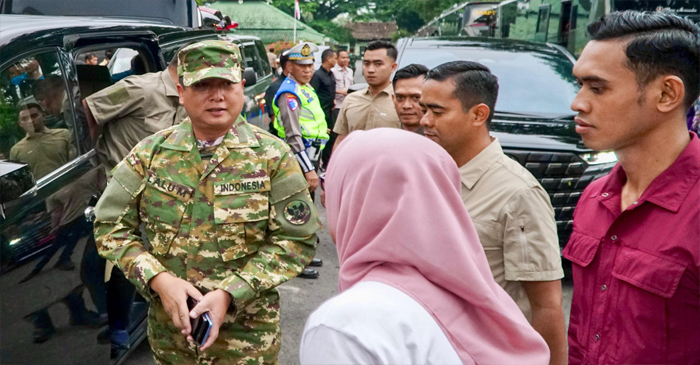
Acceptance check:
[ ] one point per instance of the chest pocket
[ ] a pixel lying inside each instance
(241, 210)
(163, 205)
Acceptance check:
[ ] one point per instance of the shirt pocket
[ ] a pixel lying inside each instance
(163, 205)
(581, 249)
(645, 283)
(241, 211)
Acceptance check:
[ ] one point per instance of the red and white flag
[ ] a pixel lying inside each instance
(297, 11)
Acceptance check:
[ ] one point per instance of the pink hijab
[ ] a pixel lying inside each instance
(394, 205)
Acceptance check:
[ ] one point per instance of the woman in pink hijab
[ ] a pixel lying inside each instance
(415, 287)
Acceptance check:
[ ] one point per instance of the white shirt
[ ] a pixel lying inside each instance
(343, 80)
(374, 323)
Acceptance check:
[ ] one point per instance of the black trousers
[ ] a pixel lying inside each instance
(326, 155)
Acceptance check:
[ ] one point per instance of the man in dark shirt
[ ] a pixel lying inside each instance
(634, 248)
(324, 84)
(272, 90)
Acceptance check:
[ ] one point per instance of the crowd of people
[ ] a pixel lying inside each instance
(448, 248)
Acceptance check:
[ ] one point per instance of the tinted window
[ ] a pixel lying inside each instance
(530, 83)
(265, 63)
(252, 59)
(101, 68)
(37, 126)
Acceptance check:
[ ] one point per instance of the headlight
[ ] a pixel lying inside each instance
(598, 158)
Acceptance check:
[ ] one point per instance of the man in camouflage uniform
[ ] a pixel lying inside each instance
(227, 213)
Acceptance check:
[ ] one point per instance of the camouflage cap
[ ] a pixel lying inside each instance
(210, 59)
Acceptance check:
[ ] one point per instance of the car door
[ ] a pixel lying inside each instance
(255, 94)
(48, 310)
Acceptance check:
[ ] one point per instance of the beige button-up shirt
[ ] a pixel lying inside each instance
(131, 110)
(343, 80)
(362, 111)
(515, 222)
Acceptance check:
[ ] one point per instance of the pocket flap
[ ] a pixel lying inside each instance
(646, 271)
(581, 249)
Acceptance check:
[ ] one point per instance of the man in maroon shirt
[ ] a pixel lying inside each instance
(636, 242)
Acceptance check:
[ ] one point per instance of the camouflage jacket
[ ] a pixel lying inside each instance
(244, 222)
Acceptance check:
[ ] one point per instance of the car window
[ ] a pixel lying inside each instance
(267, 68)
(519, 73)
(252, 59)
(37, 126)
(100, 68)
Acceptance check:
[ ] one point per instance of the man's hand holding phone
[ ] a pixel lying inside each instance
(173, 293)
(216, 303)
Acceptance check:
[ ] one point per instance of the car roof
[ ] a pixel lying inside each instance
(478, 42)
(15, 26)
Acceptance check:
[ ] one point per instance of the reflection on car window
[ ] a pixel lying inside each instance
(36, 119)
(267, 68)
(250, 54)
(98, 69)
(529, 82)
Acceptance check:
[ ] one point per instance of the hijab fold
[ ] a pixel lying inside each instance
(394, 205)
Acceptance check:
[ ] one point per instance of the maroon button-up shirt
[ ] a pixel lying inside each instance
(637, 272)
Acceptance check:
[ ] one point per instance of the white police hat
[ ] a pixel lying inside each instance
(303, 54)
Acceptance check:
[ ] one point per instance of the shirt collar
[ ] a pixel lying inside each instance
(669, 189)
(241, 135)
(473, 170)
(389, 90)
(170, 87)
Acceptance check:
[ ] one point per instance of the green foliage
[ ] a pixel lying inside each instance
(409, 15)
(334, 31)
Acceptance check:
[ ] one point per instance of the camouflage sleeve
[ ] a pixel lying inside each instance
(291, 236)
(117, 225)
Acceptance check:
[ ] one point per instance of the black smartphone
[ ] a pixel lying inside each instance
(201, 326)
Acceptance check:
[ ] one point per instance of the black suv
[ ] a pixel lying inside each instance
(533, 120)
(54, 302)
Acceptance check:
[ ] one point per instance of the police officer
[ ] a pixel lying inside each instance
(226, 210)
(299, 117)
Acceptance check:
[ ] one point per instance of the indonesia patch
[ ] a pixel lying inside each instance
(292, 102)
(297, 212)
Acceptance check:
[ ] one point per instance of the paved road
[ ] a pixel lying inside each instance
(300, 297)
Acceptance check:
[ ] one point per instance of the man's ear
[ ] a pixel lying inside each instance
(180, 93)
(394, 67)
(481, 114)
(671, 93)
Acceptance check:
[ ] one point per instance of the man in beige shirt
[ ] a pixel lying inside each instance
(130, 110)
(372, 107)
(510, 210)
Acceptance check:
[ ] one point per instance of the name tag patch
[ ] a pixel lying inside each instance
(168, 186)
(242, 186)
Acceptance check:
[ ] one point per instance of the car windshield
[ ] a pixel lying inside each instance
(529, 83)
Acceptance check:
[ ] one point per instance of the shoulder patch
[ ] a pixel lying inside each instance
(118, 93)
(297, 212)
(292, 102)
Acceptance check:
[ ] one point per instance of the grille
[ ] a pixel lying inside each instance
(563, 175)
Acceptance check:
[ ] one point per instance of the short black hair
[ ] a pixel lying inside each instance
(271, 49)
(342, 50)
(326, 54)
(409, 72)
(89, 56)
(660, 43)
(474, 84)
(390, 48)
(32, 105)
(284, 58)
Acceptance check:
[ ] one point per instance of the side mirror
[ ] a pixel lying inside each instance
(249, 76)
(15, 180)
